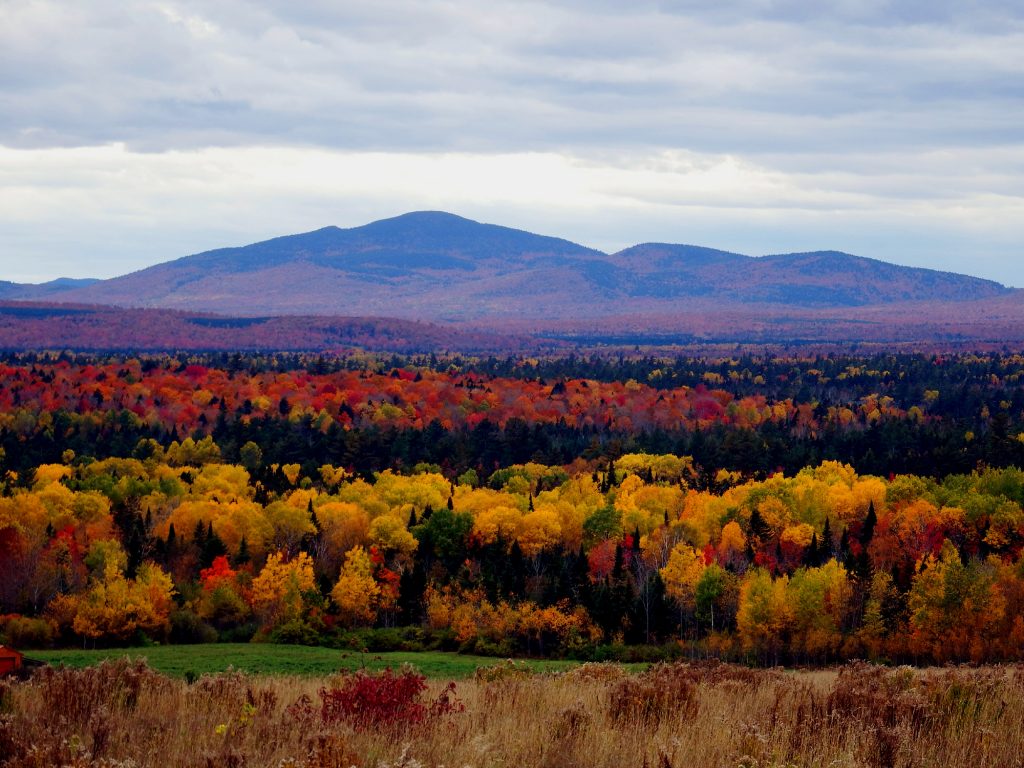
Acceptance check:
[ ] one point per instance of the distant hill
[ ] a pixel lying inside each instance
(38, 325)
(440, 267)
(28, 291)
(982, 324)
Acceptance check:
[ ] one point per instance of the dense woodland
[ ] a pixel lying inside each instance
(799, 510)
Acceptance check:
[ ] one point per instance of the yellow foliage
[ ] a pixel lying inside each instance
(539, 530)
(343, 525)
(331, 476)
(191, 453)
(357, 593)
(231, 521)
(116, 607)
(799, 535)
(733, 542)
(391, 536)
(50, 473)
(291, 472)
(681, 574)
(278, 593)
(497, 522)
(226, 482)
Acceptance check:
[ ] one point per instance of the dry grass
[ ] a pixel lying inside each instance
(123, 714)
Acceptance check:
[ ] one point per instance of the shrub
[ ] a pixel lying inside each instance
(387, 700)
(505, 670)
(645, 699)
(23, 632)
(295, 633)
(187, 628)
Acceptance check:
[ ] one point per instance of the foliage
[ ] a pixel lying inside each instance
(301, 500)
(388, 700)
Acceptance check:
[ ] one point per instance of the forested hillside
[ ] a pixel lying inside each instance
(745, 508)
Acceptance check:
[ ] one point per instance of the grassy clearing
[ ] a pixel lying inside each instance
(266, 659)
(593, 716)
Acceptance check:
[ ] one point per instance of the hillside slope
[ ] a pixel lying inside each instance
(440, 267)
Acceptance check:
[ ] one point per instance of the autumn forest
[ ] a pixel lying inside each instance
(758, 509)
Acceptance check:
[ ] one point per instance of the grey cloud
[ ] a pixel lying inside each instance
(743, 77)
(867, 101)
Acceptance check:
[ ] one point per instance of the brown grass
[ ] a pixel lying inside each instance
(124, 714)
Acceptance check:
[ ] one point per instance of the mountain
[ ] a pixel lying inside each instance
(441, 267)
(28, 291)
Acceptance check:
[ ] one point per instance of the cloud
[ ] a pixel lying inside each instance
(436, 76)
(113, 210)
(779, 122)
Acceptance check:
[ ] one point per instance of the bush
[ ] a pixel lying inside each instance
(387, 700)
(505, 670)
(410, 639)
(503, 649)
(188, 629)
(243, 633)
(295, 633)
(633, 654)
(23, 632)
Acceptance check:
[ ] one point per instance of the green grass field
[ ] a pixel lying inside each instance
(266, 659)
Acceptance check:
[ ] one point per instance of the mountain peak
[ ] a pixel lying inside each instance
(435, 265)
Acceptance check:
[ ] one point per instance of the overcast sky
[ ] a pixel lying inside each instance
(135, 132)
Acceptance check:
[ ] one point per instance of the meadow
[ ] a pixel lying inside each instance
(123, 713)
(189, 661)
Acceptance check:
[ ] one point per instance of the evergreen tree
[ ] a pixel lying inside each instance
(759, 528)
(812, 557)
(580, 578)
(828, 543)
(515, 572)
(412, 584)
(243, 556)
(867, 530)
(213, 547)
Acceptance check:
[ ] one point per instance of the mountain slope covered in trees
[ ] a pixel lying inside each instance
(441, 267)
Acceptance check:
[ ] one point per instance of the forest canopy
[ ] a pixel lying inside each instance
(310, 501)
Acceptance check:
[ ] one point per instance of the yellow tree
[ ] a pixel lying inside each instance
(116, 607)
(955, 609)
(538, 531)
(357, 593)
(392, 537)
(764, 616)
(818, 599)
(343, 525)
(681, 574)
(732, 546)
(280, 593)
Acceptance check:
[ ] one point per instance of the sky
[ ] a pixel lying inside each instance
(135, 132)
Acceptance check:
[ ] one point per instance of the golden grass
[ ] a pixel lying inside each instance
(123, 714)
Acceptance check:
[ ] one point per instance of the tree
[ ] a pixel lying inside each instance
(251, 456)
(710, 589)
(763, 617)
(283, 590)
(681, 575)
(115, 607)
(357, 593)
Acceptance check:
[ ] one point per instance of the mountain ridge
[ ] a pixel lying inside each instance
(440, 267)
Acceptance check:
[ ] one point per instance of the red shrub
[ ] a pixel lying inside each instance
(385, 700)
